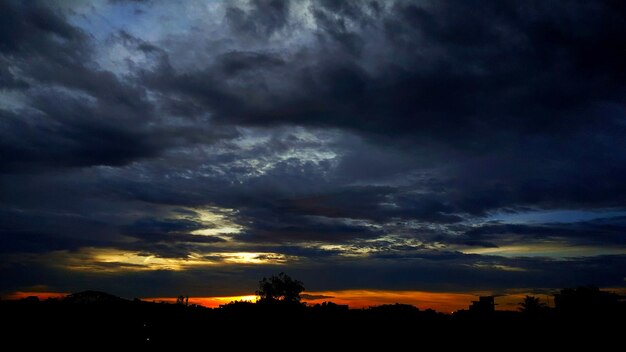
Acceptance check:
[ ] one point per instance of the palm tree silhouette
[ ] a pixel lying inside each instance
(531, 305)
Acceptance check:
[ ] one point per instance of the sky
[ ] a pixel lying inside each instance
(423, 151)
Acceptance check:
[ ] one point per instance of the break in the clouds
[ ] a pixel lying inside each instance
(153, 148)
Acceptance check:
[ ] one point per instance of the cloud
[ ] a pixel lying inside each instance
(471, 75)
(63, 126)
(262, 19)
(603, 231)
(357, 144)
(309, 297)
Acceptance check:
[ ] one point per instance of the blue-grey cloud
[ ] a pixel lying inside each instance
(363, 144)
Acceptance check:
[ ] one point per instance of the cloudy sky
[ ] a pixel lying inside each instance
(153, 148)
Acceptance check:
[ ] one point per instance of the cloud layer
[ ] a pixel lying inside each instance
(148, 148)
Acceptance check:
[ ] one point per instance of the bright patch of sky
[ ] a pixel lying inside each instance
(555, 250)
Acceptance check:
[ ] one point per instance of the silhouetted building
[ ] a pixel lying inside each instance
(585, 300)
(484, 305)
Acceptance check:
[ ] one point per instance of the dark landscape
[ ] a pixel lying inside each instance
(279, 320)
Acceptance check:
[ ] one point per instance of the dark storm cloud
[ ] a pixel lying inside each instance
(511, 93)
(168, 230)
(48, 230)
(33, 242)
(375, 203)
(129, 1)
(38, 30)
(278, 228)
(373, 138)
(459, 274)
(9, 80)
(61, 129)
(604, 232)
(307, 296)
(77, 114)
(520, 69)
(67, 139)
(235, 62)
(262, 20)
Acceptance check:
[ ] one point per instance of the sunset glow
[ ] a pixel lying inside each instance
(209, 302)
(445, 302)
(355, 299)
(40, 295)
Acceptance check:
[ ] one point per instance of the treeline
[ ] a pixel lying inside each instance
(93, 318)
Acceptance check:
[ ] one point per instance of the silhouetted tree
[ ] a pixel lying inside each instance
(181, 300)
(280, 288)
(531, 305)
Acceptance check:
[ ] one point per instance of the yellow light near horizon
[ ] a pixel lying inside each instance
(552, 250)
(223, 230)
(253, 258)
(119, 260)
(228, 299)
(489, 266)
(115, 260)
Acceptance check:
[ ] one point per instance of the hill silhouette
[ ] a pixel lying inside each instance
(92, 297)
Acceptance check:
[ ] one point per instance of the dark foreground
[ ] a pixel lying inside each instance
(106, 321)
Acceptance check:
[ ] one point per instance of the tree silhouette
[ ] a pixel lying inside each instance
(531, 305)
(182, 300)
(280, 288)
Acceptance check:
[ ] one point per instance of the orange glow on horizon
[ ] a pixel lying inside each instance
(440, 301)
(445, 302)
(209, 302)
(40, 295)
